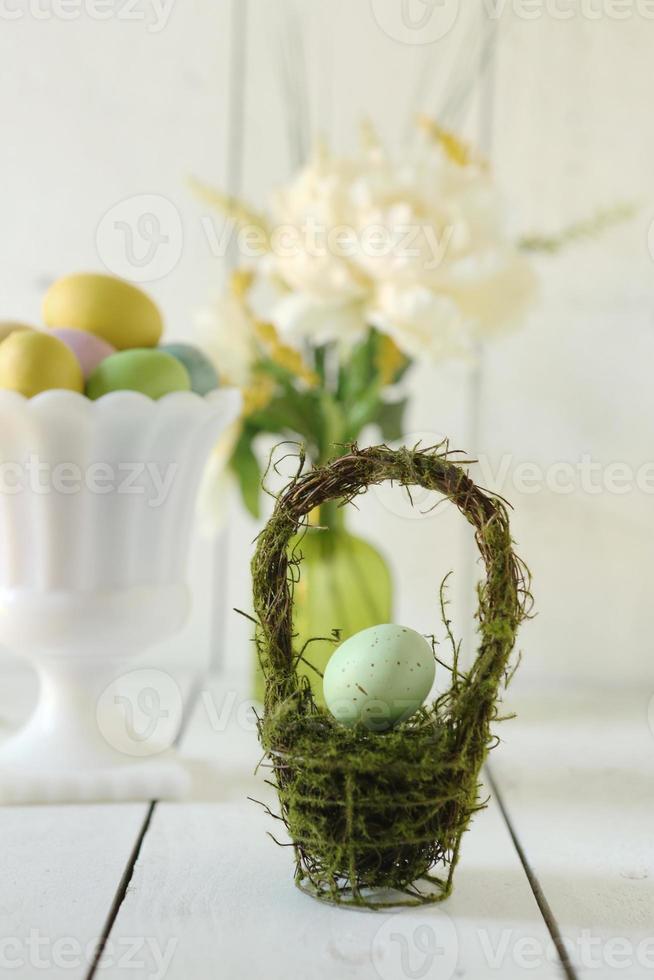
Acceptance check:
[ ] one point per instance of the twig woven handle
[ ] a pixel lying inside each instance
(504, 597)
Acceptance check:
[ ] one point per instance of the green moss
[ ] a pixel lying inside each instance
(369, 811)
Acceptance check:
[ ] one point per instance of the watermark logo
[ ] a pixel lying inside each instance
(141, 238)
(37, 952)
(414, 947)
(230, 709)
(140, 713)
(565, 10)
(153, 14)
(427, 21)
(512, 477)
(415, 21)
(153, 481)
(396, 242)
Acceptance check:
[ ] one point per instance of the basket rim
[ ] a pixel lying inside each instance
(504, 598)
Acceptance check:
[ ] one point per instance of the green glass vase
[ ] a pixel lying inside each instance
(344, 584)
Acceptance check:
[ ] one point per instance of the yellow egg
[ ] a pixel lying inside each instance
(31, 362)
(10, 326)
(105, 306)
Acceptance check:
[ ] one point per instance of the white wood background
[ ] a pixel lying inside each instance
(92, 113)
(95, 112)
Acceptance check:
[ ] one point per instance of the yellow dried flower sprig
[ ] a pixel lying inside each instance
(258, 394)
(284, 356)
(389, 359)
(456, 148)
(232, 207)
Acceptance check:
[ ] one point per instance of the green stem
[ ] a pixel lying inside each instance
(319, 361)
(332, 517)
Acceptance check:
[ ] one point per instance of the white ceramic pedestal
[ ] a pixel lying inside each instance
(96, 507)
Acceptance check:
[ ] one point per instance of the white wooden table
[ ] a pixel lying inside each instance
(556, 877)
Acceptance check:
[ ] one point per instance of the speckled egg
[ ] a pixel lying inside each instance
(152, 372)
(200, 369)
(379, 677)
(105, 306)
(87, 348)
(31, 362)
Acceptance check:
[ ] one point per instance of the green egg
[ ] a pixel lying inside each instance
(152, 372)
(379, 677)
(200, 369)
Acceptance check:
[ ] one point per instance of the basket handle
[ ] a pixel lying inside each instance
(504, 597)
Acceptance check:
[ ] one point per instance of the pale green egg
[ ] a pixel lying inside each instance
(379, 677)
(150, 371)
(200, 369)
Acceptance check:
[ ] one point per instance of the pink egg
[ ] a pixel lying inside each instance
(87, 348)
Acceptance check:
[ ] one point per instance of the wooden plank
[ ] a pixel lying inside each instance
(576, 774)
(61, 867)
(212, 890)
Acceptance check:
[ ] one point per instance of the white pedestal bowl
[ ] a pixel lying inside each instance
(96, 508)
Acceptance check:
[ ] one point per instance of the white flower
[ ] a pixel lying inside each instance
(493, 289)
(421, 322)
(415, 248)
(307, 253)
(225, 332)
(301, 316)
(432, 211)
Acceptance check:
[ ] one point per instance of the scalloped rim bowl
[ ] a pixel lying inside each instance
(77, 398)
(101, 494)
(90, 576)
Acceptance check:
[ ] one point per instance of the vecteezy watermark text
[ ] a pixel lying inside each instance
(152, 480)
(584, 475)
(36, 951)
(569, 9)
(399, 241)
(154, 14)
(416, 22)
(417, 947)
(509, 476)
(142, 239)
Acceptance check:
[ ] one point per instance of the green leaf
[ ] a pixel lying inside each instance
(358, 374)
(390, 419)
(278, 372)
(332, 428)
(364, 411)
(280, 416)
(245, 465)
(320, 361)
(293, 412)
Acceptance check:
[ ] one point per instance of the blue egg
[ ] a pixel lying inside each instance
(200, 369)
(379, 677)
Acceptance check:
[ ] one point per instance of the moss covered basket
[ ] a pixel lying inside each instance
(377, 819)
